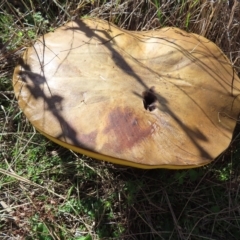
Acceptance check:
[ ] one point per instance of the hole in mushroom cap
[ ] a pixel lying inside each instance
(149, 99)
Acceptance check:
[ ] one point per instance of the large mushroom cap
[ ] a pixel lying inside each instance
(156, 99)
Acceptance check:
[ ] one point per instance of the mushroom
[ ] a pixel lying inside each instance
(154, 99)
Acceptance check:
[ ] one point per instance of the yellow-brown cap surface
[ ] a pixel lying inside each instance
(156, 99)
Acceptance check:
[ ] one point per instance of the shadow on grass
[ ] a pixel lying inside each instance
(128, 203)
(161, 204)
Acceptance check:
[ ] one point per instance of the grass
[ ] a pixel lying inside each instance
(47, 192)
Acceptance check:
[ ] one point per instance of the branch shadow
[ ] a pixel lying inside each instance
(193, 134)
(53, 103)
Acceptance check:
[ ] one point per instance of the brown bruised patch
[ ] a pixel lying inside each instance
(88, 141)
(69, 135)
(125, 129)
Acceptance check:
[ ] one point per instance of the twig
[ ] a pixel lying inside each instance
(177, 227)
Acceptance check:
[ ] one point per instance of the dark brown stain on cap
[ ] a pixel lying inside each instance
(125, 129)
(88, 141)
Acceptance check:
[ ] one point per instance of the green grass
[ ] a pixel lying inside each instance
(47, 192)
